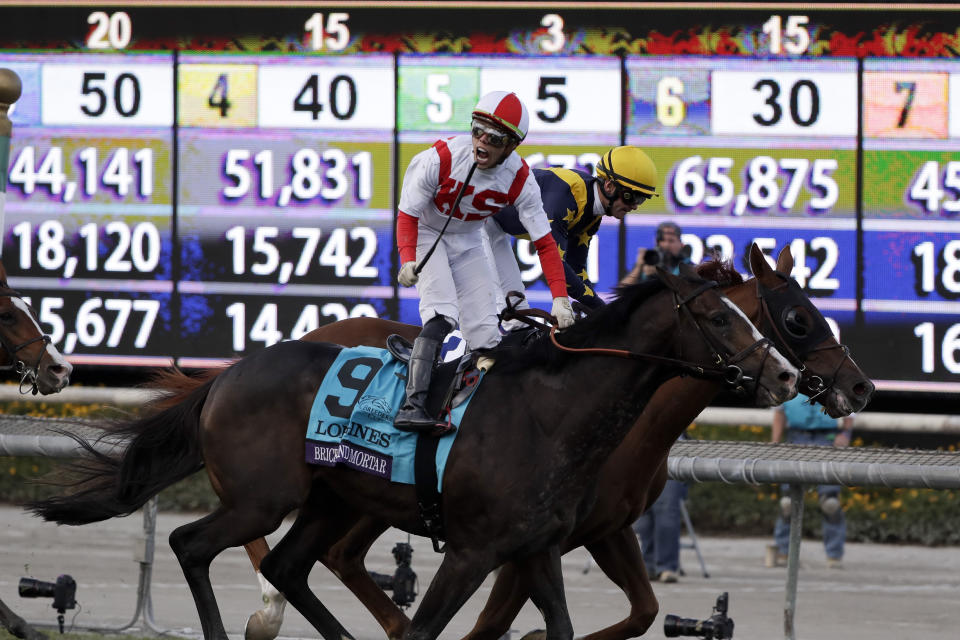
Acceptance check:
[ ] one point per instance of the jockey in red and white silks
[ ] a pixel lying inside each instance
(455, 282)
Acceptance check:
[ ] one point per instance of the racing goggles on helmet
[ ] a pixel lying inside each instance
(495, 137)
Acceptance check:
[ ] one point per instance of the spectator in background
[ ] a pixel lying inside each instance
(669, 254)
(659, 526)
(659, 531)
(800, 422)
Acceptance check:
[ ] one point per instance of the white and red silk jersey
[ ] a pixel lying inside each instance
(434, 178)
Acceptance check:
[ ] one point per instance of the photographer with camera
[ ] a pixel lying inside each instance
(669, 254)
(659, 527)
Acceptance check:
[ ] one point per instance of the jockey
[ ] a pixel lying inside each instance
(455, 283)
(575, 203)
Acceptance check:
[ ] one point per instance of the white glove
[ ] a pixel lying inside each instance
(562, 311)
(408, 276)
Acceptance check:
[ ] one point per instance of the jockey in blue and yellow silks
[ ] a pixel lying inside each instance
(575, 203)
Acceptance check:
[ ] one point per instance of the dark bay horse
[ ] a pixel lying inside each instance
(27, 351)
(634, 475)
(519, 438)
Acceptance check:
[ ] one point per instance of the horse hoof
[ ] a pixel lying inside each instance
(536, 634)
(257, 628)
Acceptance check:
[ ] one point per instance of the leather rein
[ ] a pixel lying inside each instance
(725, 368)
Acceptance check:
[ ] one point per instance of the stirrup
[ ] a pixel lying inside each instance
(416, 423)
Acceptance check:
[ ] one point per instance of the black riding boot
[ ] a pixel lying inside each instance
(413, 414)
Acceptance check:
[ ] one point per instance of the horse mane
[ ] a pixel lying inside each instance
(583, 333)
(720, 271)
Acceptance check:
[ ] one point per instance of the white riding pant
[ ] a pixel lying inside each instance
(503, 262)
(457, 283)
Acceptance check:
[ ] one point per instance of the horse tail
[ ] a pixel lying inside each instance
(173, 386)
(158, 451)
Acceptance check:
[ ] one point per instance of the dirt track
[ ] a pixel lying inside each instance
(884, 592)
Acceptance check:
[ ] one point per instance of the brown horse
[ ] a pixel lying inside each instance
(26, 351)
(633, 476)
(517, 438)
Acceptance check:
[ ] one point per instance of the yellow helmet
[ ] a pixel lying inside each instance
(630, 168)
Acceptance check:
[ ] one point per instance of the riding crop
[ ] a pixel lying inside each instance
(456, 203)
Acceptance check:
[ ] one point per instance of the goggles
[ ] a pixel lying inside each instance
(495, 138)
(630, 197)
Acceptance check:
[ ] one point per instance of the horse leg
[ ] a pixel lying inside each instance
(460, 574)
(345, 560)
(196, 545)
(618, 556)
(507, 597)
(264, 624)
(543, 574)
(322, 521)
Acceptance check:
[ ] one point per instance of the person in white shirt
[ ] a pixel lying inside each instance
(455, 283)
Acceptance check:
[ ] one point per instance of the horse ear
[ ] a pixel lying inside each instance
(785, 261)
(758, 262)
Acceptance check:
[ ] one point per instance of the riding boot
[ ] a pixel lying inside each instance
(413, 414)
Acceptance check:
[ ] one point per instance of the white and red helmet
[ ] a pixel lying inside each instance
(504, 110)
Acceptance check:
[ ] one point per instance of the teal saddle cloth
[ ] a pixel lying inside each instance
(351, 421)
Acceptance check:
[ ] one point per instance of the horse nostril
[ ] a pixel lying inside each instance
(786, 376)
(863, 388)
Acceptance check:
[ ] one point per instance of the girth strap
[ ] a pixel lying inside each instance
(428, 498)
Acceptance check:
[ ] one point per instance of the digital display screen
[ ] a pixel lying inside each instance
(186, 185)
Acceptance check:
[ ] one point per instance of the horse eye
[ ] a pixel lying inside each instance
(720, 320)
(796, 323)
(7, 317)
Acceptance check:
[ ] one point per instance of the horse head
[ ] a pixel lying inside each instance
(711, 328)
(785, 313)
(26, 350)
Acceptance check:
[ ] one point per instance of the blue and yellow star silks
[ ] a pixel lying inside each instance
(568, 198)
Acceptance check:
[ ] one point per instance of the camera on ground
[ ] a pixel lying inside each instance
(63, 592)
(403, 582)
(718, 626)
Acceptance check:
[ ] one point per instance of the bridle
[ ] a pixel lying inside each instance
(725, 368)
(800, 347)
(28, 375)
